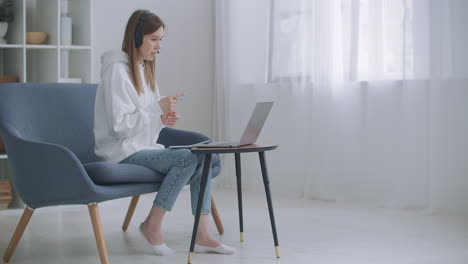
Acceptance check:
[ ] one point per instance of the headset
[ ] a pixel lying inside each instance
(139, 28)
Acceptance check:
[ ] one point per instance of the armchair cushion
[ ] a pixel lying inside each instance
(106, 173)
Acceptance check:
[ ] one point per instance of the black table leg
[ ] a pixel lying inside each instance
(266, 182)
(239, 194)
(204, 179)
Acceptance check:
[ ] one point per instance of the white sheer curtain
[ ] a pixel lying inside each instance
(348, 40)
(370, 97)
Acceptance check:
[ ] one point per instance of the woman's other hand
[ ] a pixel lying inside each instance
(168, 103)
(169, 119)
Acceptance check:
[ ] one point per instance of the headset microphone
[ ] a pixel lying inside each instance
(157, 51)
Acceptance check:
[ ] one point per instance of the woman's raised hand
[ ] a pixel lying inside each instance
(168, 103)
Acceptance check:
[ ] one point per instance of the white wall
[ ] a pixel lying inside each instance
(186, 61)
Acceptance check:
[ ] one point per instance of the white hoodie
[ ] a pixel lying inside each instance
(124, 123)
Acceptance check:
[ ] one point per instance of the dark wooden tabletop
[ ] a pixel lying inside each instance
(243, 149)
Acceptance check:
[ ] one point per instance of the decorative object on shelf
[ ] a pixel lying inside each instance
(6, 195)
(66, 26)
(8, 79)
(6, 15)
(36, 38)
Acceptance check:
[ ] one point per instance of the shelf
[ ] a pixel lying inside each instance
(41, 16)
(42, 65)
(70, 65)
(10, 46)
(70, 80)
(50, 62)
(14, 34)
(76, 47)
(80, 12)
(11, 62)
(41, 46)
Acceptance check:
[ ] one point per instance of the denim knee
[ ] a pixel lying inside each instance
(184, 166)
(187, 158)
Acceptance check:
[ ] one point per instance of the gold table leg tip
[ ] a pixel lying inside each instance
(277, 252)
(189, 261)
(242, 237)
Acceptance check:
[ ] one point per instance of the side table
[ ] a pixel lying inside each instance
(208, 152)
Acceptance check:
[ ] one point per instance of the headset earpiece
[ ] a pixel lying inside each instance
(138, 29)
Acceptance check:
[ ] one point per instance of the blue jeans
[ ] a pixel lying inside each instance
(181, 167)
(172, 136)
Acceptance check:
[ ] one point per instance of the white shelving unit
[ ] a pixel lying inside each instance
(48, 62)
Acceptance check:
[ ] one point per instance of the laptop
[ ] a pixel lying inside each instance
(251, 132)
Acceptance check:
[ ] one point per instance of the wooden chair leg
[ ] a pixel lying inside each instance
(101, 243)
(216, 218)
(27, 213)
(131, 210)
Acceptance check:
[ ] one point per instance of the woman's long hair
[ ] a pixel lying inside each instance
(150, 23)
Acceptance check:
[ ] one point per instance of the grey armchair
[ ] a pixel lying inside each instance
(48, 133)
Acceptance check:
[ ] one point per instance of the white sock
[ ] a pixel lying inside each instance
(221, 249)
(161, 250)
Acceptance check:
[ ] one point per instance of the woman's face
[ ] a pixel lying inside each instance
(150, 45)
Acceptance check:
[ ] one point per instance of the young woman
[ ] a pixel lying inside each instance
(129, 116)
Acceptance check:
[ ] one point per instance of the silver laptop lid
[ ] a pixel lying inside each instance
(256, 122)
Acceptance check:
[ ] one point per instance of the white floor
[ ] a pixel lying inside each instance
(309, 232)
